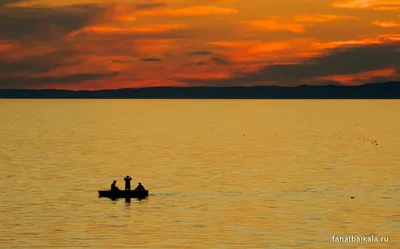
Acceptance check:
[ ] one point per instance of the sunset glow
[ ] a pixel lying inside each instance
(94, 44)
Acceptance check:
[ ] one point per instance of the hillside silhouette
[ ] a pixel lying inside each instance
(384, 90)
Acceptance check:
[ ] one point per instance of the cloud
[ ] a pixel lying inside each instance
(151, 59)
(250, 50)
(150, 5)
(368, 4)
(143, 29)
(43, 81)
(22, 67)
(187, 11)
(197, 53)
(297, 24)
(127, 12)
(197, 63)
(215, 60)
(220, 60)
(338, 61)
(372, 76)
(124, 35)
(344, 30)
(220, 1)
(34, 64)
(248, 44)
(275, 24)
(10, 2)
(46, 23)
(320, 18)
(387, 24)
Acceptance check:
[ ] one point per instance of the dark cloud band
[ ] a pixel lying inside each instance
(340, 61)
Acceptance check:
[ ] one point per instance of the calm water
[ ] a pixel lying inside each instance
(221, 173)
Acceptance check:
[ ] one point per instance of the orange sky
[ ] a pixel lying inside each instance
(93, 44)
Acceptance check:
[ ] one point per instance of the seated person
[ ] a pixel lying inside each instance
(113, 187)
(140, 188)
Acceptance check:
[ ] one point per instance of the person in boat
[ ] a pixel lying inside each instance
(140, 188)
(127, 183)
(113, 187)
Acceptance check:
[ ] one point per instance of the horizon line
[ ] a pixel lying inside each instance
(153, 87)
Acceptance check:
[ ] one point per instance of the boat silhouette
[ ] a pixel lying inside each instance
(124, 194)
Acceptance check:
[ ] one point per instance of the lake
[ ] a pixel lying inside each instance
(221, 173)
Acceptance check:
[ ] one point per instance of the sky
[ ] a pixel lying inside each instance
(100, 44)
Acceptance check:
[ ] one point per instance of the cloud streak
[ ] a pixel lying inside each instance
(368, 4)
(151, 59)
(387, 24)
(46, 23)
(200, 53)
(11, 82)
(191, 11)
(34, 64)
(338, 61)
(297, 24)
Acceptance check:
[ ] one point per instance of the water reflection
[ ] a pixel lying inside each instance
(267, 189)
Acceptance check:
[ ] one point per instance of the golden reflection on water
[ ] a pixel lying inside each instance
(221, 173)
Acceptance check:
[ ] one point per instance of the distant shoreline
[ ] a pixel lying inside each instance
(384, 90)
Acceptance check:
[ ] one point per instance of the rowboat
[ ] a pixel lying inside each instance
(124, 194)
